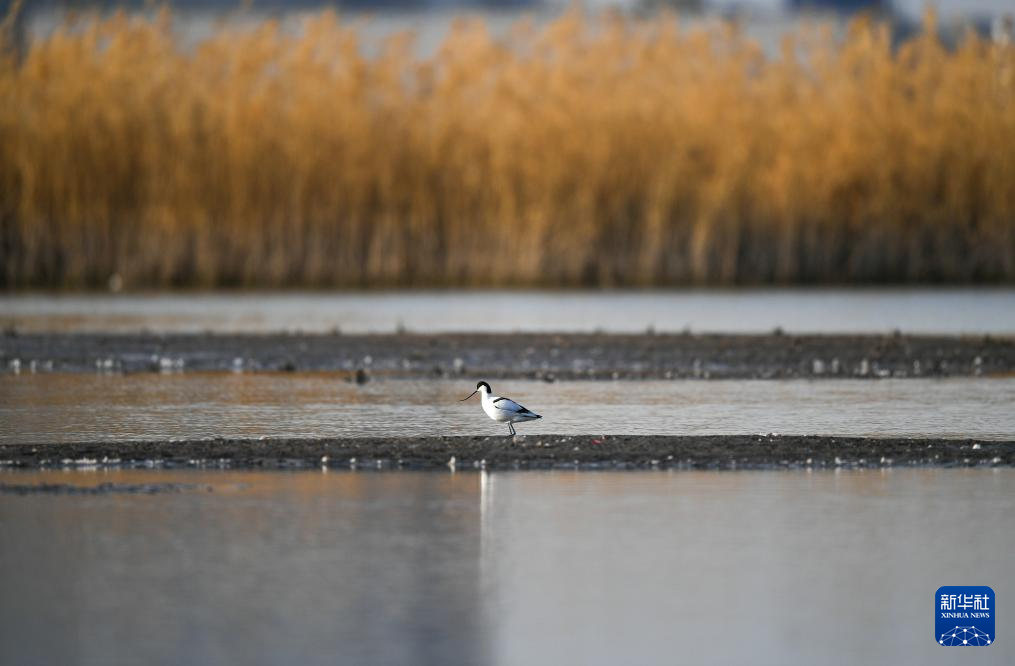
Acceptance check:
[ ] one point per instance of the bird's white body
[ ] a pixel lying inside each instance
(503, 410)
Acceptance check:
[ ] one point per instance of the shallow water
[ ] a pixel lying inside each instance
(96, 407)
(501, 568)
(941, 311)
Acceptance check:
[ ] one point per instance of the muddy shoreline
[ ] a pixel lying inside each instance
(515, 355)
(522, 452)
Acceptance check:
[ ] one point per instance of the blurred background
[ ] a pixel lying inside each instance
(512, 143)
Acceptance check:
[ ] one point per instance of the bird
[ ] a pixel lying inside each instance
(503, 410)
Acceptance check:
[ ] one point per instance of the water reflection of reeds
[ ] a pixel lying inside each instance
(346, 561)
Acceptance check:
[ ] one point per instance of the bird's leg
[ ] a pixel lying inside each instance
(512, 427)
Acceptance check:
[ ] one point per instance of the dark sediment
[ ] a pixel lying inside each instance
(528, 452)
(516, 355)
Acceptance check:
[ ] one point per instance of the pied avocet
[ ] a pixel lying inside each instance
(501, 409)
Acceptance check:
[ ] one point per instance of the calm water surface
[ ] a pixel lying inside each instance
(503, 568)
(713, 310)
(79, 407)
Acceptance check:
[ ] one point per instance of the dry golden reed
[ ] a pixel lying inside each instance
(586, 152)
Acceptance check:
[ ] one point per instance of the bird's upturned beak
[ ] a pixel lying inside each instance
(469, 396)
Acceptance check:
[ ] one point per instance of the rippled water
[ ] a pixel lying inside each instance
(502, 568)
(79, 407)
(712, 310)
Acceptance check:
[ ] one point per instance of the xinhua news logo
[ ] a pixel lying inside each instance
(965, 616)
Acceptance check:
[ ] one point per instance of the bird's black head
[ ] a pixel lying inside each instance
(479, 387)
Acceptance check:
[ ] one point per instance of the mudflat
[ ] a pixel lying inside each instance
(521, 452)
(516, 355)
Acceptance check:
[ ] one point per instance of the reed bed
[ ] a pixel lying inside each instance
(587, 152)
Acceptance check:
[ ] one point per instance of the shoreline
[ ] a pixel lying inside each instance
(543, 356)
(583, 452)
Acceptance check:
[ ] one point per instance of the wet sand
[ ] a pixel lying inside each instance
(516, 355)
(521, 452)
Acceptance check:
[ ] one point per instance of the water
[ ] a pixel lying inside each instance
(96, 407)
(939, 311)
(502, 568)
(765, 22)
